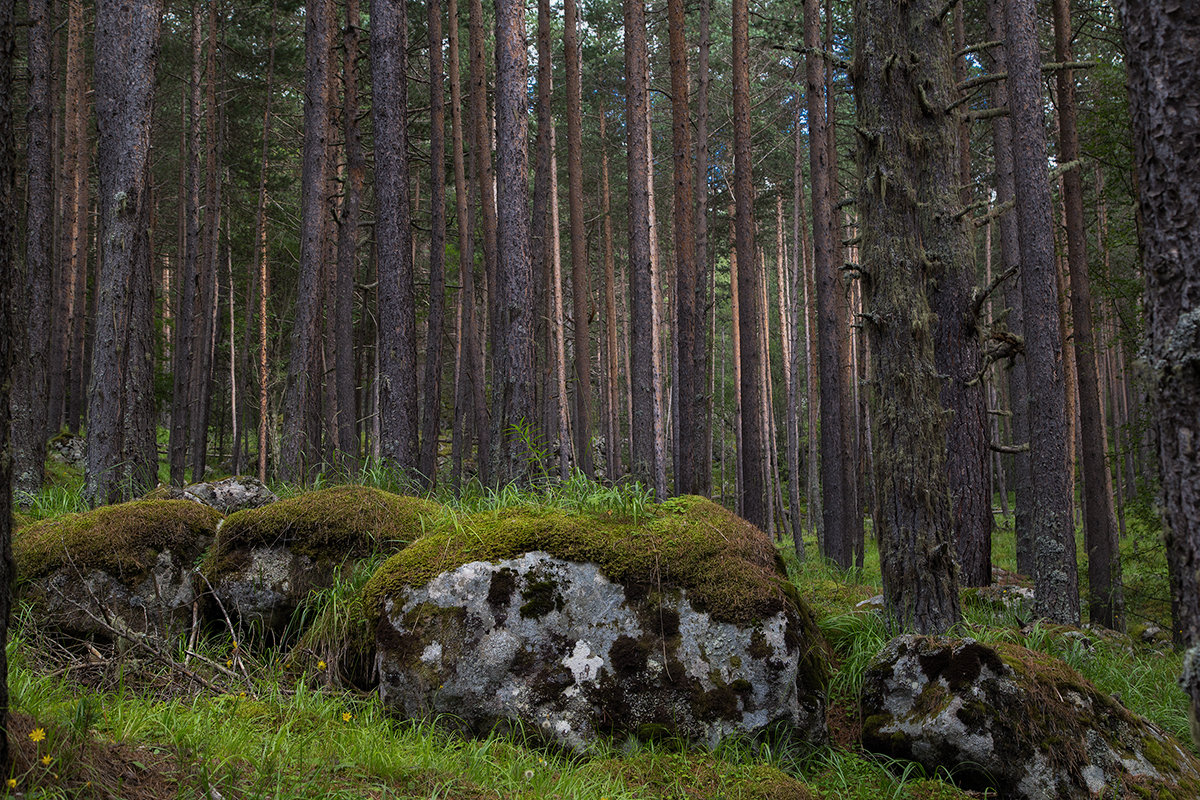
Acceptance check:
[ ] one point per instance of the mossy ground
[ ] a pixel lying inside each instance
(334, 524)
(122, 539)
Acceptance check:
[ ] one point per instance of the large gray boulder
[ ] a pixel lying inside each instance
(1017, 721)
(576, 650)
(128, 568)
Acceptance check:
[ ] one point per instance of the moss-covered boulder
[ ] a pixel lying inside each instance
(266, 561)
(131, 565)
(1016, 721)
(580, 626)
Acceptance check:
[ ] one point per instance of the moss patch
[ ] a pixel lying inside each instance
(123, 540)
(330, 524)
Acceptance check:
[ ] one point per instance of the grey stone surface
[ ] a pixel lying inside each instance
(562, 649)
(1016, 721)
(231, 494)
(92, 603)
(265, 590)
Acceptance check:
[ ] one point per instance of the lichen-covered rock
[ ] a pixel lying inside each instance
(266, 561)
(68, 448)
(580, 627)
(227, 496)
(1017, 721)
(130, 565)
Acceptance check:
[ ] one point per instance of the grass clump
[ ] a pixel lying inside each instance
(122, 539)
(334, 524)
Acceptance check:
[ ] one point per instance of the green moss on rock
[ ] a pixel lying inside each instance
(728, 568)
(123, 540)
(329, 524)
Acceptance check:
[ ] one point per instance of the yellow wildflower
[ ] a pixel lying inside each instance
(12, 783)
(320, 665)
(347, 716)
(46, 759)
(37, 734)
(235, 644)
(229, 662)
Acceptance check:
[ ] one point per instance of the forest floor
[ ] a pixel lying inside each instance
(223, 722)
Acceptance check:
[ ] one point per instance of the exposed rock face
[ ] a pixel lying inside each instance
(69, 449)
(267, 561)
(558, 646)
(128, 567)
(231, 494)
(1017, 721)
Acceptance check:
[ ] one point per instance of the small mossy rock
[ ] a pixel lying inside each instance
(266, 561)
(1016, 721)
(578, 638)
(68, 448)
(131, 563)
(227, 496)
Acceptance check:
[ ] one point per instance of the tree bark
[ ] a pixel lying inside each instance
(393, 235)
(644, 464)
(580, 285)
(302, 400)
(120, 396)
(32, 338)
(612, 350)
(908, 201)
(260, 241)
(1106, 604)
(835, 536)
(1055, 572)
(481, 148)
(435, 332)
(705, 271)
(1164, 82)
(514, 375)
(8, 263)
(754, 454)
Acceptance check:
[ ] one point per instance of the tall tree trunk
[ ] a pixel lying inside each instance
(481, 148)
(908, 150)
(580, 286)
(612, 350)
(754, 455)
(1105, 597)
(437, 251)
(393, 234)
(959, 359)
(260, 243)
(559, 325)
(186, 341)
(8, 263)
(642, 380)
(1055, 572)
(347, 248)
(539, 239)
(302, 400)
(126, 46)
(32, 338)
(207, 297)
(706, 272)
(1010, 258)
(1164, 83)
(836, 535)
(514, 377)
(689, 322)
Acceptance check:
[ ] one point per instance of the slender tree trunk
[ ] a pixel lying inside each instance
(260, 240)
(126, 46)
(643, 379)
(754, 507)
(836, 511)
(1055, 575)
(1160, 41)
(689, 323)
(580, 286)
(481, 147)
(705, 272)
(902, 66)
(610, 315)
(514, 379)
(539, 239)
(302, 425)
(397, 310)
(1106, 600)
(32, 338)
(562, 421)
(8, 263)
(437, 251)
(207, 297)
